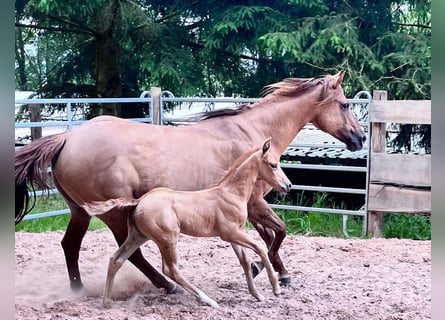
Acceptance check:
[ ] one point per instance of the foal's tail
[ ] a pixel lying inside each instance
(95, 208)
(31, 171)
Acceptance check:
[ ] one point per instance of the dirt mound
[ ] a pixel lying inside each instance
(331, 279)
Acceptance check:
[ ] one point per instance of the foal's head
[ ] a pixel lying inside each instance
(270, 170)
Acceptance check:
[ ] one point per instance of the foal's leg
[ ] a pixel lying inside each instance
(239, 237)
(245, 263)
(170, 268)
(117, 222)
(75, 231)
(133, 242)
(264, 219)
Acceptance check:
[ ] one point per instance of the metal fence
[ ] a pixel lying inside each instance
(169, 104)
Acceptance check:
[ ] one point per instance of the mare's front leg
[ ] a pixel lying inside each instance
(116, 220)
(265, 220)
(75, 231)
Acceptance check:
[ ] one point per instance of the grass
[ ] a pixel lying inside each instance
(54, 223)
(315, 223)
(406, 226)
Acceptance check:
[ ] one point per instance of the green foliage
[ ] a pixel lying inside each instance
(54, 223)
(406, 226)
(222, 47)
(226, 46)
(316, 223)
(415, 227)
(403, 226)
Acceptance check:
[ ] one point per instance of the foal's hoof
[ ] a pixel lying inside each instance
(256, 267)
(260, 297)
(173, 288)
(284, 280)
(277, 292)
(107, 303)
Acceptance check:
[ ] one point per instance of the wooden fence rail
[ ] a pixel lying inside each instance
(399, 183)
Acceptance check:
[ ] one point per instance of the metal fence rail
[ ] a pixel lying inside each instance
(168, 97)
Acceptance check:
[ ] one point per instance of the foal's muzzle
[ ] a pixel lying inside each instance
(285, 187)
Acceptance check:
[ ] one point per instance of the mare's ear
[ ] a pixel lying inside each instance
(266, 145)
(337, 79)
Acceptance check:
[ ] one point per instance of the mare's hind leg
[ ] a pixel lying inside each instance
(117, 222)
(264, 219)
(133, 242)
(245, 263)
(170, 268)
(77, 227)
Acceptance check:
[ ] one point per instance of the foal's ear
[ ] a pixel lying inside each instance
(337, 79)
(266, 145)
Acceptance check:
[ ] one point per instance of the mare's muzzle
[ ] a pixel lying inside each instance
(354, 140)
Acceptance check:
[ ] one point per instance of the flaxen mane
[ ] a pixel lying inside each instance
(289, 87)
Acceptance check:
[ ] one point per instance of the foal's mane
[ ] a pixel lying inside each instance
(238, 162)
(289, 87)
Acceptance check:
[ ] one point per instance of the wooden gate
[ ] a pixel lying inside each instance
(399, 183)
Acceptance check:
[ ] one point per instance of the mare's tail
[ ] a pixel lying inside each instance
(95, 208)
(31, 171)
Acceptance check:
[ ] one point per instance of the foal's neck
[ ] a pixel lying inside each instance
(241, 180)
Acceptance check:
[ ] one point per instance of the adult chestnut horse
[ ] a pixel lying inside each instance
(108, 157)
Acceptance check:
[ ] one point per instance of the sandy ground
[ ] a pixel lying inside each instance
(331, 279)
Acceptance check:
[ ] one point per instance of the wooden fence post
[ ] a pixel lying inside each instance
(378, 145)
(35, 116)
(155, 93)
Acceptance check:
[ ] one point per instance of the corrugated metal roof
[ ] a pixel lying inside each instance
(312, 142)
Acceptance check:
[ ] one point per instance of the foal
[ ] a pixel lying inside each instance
(162, 214)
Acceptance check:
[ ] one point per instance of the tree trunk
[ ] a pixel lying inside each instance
(108, 71)
(20, 58)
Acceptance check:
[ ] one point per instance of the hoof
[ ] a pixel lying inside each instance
(76, 285)
(284, 280)
(260, 298)
(207, 300)
(257, 267)
(107, 304)
(277, 292)
(173, 288)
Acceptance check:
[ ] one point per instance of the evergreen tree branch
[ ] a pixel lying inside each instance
(55, 29)
(412, 25)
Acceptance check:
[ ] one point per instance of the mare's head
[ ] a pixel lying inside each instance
(335, 116)
(270, 170)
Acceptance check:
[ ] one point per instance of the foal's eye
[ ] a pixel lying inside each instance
(273, 165)
(345, 106)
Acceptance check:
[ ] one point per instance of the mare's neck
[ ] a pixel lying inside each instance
(282, 118)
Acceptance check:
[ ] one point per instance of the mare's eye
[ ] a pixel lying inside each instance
(345, 106)
(273, 165)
